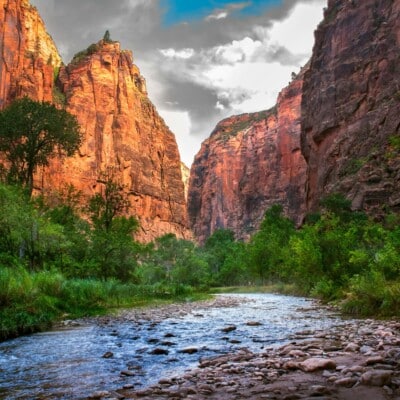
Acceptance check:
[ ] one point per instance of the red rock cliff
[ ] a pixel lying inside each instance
(351, 105)
(249, 163)
(121, 127)
(122, 130)
(28, 55)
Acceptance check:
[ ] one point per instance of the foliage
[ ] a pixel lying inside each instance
(93, 48)
(268, 247)
(107, 37)
(31, 133)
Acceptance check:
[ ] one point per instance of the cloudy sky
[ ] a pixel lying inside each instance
(203, 60)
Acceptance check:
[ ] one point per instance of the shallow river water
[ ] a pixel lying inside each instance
(69, 363)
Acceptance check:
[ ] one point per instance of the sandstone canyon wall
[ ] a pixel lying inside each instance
(351, 105)
(344, 116)
(249, 163)
(28, 55)
(121, 127)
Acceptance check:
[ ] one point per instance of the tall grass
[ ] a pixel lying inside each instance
(32, 301)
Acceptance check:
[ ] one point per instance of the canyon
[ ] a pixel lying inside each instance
(122, 131)
(335, 129)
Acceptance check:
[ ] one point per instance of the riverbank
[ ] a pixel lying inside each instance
(360, 359)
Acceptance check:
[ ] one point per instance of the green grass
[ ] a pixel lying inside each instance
(33, 301)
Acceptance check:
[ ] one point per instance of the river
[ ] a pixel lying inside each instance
(72, 363)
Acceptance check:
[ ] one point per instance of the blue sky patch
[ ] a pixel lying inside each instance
(178, 11)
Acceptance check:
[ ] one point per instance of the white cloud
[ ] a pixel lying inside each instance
(217, 15)
(179, 123)
(294, 32)
(172, 53)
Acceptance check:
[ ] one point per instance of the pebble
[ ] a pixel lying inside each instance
(358, 356)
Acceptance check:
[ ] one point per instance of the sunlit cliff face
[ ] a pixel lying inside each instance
(122, 129)
(249, 163)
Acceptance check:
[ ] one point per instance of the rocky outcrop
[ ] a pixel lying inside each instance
(249, 163)
(121, 128)
(28, 55)
(123, 131)
(351, 105)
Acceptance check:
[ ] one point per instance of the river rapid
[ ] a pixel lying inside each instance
(137, 351)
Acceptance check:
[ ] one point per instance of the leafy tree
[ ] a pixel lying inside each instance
(31, 133)
(111, 202)
(175, 261)
(113, 252)
(268, 247)
(107, 36)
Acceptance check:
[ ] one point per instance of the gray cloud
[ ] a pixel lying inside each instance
(173, 83)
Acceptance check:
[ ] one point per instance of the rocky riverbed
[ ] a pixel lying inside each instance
(256, 346)
(360, 359)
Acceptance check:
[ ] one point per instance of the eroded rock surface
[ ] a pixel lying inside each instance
(351, 105)
(249, 163)
(122, 130)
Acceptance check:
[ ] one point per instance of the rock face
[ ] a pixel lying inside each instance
(28, 55)
(249, 163)
(351, 105)
(122, 129)
(347, 114)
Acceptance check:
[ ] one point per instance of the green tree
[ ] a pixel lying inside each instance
(111, 202)
(113, 251)
(269, 246)
(31, 133)
(107, 36)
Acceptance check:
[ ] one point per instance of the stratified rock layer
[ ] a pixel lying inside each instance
(249, 163)
(351, 105)
(122, 129)
(28, 55)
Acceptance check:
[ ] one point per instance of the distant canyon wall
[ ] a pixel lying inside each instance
(249, 163)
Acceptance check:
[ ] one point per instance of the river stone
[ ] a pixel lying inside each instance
(229, 328)
(99, 394)
(127, 372)
(314, 364)
(374, 360)
(353, 347)
(346, 382)
(253, 323)
(189, 350)
(376, 377)
(158, 351)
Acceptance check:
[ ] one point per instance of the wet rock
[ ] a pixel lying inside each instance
(108, 354)
(99, 394)
(159, 351)
(127, 372)
(376, 377)
(167, 343)
(229, 328)
(314, 364)
(253, 323)
(189, 350)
